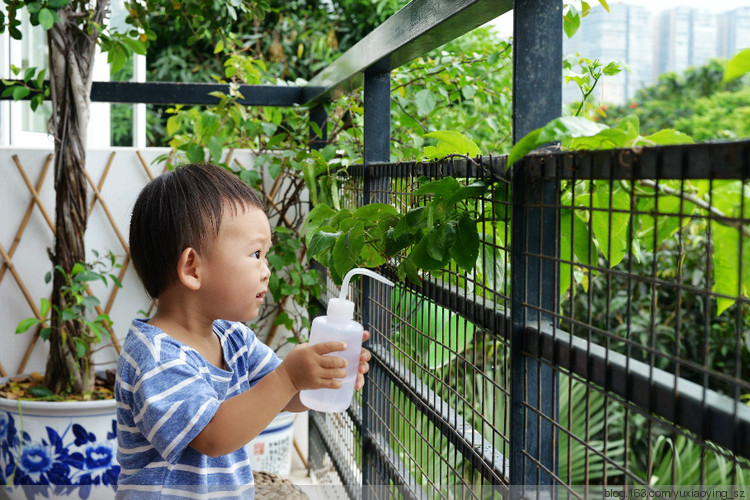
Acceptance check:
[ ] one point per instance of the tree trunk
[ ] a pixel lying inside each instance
(71, 46)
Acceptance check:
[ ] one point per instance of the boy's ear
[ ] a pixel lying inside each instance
(188, 268)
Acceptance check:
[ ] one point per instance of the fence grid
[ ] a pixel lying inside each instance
(505, 381)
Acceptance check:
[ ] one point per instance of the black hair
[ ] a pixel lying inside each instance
(179, 209)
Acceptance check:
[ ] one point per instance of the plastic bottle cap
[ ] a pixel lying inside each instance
(344, 309)
(340, 309)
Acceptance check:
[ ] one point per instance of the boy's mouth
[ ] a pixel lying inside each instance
(260, 295)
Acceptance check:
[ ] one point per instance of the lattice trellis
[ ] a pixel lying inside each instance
(97, 199)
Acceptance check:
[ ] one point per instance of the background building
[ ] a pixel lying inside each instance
(685, 38)
(734, 31)
(625, 34)
(651, 44)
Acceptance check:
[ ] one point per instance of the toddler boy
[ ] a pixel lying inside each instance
(194, 384)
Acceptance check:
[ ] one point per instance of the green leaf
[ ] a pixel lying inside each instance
(559, 129)
(440, 188)
(374, 211)
(371, 257)
(450, 142)
(440, 240)
(320, 242)
(219, 46)
(407, 269)
(45, 307)
(571, 21)
(575, 239)
(466, 247)
(195, 154)
(45, 332)
(422, 259)
(347, 248)
(737, 66)
(25, 324)
(46, 18)
(610, 138)
(410, 223)
(173, 124)
(468, 91)
(726, 257)
(274, 285)
(39, 391)
(612, 69)
(316, 218)
(19, 92)
(274, 170)
(425, 101)
(668, 136)
(276, 139)
(81, 348)
(215, 148)
(604, 4)
(609, 222)
(28, 74)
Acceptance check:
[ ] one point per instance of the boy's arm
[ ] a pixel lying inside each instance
(295, 405)
(241, 418)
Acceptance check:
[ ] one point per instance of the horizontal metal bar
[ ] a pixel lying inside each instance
(457, 166)
(479, 310)
(398, 473)
(419, 27)
(708, 414)
(715, 160)
(187, 93)
(489, 462)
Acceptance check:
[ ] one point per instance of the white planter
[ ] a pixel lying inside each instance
(271, 451)
(58, 449)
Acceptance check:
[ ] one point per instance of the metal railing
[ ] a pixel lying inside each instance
(485, 386)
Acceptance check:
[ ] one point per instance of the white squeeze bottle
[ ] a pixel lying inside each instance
(339, 324)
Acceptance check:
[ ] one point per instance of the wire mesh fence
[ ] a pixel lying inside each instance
(600, 345)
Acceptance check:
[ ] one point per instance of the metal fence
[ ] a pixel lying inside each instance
(630, 382)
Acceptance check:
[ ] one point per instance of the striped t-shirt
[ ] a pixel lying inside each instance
(166, 394)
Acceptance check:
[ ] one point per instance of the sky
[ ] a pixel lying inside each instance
(504, 23)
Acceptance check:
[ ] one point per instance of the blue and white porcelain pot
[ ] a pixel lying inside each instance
(58, 449)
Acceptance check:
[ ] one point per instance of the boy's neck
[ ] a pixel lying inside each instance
(178, 316)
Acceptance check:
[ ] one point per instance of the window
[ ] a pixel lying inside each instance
(22, 127)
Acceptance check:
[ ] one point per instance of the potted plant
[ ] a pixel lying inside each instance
(40, 449)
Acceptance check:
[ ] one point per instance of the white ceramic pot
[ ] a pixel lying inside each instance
(58, 449)
(271, 451)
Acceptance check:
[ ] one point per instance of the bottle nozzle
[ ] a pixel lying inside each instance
(360, 270)
(343, 308)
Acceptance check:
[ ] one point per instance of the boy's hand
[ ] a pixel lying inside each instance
(364, 364)
(307, 367)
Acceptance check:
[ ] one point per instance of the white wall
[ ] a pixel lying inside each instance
(124, 181)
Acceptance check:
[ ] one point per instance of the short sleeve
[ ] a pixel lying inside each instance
(261, 358)
(172, 403)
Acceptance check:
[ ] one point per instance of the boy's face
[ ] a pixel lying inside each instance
(235, 269)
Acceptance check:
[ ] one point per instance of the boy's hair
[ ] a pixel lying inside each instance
(179, 209)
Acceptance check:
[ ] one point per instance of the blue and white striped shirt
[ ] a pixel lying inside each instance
(166, 394)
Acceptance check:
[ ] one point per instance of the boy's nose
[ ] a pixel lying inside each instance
(266, 271)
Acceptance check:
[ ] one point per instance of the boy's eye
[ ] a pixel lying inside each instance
(257, 254)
